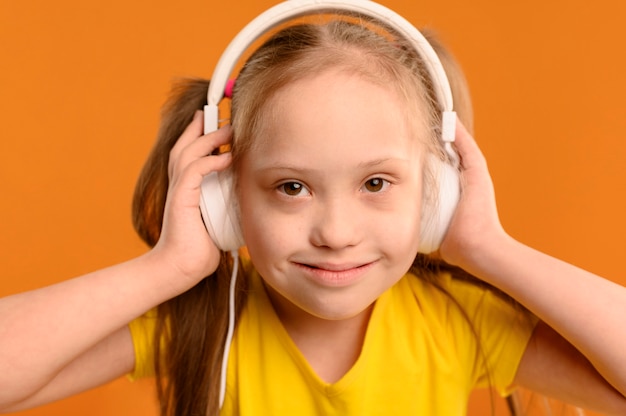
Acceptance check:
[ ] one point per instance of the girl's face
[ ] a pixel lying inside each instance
(330, 196)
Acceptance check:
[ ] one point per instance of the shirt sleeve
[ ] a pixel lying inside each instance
(501, 330)
(142, 333)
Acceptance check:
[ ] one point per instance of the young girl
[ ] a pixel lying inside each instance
(334, 127)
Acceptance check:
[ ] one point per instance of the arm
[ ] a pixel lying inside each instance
(552, 366)
(109, 359)
(584, 309)
(45, 332)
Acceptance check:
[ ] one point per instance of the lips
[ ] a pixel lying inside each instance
(334, 274)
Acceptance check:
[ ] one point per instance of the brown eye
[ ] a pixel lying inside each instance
(375, 185)
(292, 188)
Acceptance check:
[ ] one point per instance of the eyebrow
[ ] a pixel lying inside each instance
(377, 162)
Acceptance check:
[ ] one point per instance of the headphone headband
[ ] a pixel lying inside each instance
(291, 9)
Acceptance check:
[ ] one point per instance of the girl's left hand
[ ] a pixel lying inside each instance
(475, 223)
(588, 311)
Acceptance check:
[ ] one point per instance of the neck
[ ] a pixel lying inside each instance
(331, 347)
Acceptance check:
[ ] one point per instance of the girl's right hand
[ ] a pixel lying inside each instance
(184, 243)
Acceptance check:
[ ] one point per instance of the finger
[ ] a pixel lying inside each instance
(207, 144)
(191, 132)
(191, 176)
(199, 147)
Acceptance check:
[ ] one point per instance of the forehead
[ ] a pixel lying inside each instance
(340, 110)
(335, 119)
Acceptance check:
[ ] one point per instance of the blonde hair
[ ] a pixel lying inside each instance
(193, 324)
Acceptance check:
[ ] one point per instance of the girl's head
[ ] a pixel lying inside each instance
(289, 56)
(331, 125)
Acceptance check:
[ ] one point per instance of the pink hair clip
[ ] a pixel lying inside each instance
(228, 90)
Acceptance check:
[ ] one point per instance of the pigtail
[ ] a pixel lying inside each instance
(190, 328)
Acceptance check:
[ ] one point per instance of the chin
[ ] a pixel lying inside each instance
(338, 311)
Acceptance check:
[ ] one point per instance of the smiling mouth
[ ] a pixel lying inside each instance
(335, 275)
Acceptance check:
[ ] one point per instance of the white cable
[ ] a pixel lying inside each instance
(231, 325)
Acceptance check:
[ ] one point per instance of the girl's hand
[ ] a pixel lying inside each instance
(475, 225)
(184, 242)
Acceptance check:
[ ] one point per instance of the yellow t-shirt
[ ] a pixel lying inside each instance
(420, 356)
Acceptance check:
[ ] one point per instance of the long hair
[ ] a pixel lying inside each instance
(191, 327)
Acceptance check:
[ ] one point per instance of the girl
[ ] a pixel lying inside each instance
(337, 313)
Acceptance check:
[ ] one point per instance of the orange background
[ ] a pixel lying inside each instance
(81, 84)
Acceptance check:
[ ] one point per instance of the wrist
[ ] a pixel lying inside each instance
(178, 272)
(478, 254)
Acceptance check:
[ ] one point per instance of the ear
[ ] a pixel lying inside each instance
(440, 196)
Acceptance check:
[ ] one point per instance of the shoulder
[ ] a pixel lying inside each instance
(459, 295)
(480, 324)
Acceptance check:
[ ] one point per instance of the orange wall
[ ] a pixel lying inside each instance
(81, 83)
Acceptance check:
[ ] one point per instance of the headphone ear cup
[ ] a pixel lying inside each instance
(216, 206)
(438, 205)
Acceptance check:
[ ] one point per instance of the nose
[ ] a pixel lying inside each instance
(336, 224)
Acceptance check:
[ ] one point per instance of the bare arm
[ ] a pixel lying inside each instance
(554, 367)
(45, 332)
(106, 361)
(586, 310)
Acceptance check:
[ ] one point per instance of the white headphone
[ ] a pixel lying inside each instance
(222, 222)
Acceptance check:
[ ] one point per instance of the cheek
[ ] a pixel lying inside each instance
(404, 234)
(265, 235)
(407, 235)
